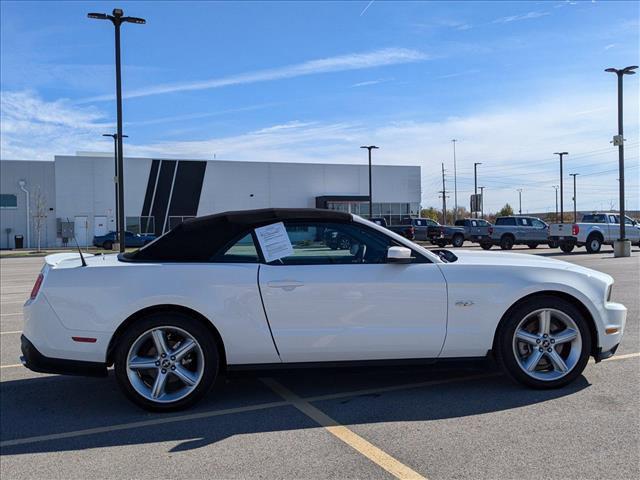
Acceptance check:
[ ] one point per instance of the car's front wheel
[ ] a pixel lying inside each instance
(544, 343)
(567, 247)
(506, 242)
(166, 361)
(486, 246)
(458, 241)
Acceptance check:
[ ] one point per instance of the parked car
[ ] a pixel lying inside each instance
(203, 300)
(519, 230)
(595, 230)
(443, 235)
(130, 240)
(406, 228)
(476, 230)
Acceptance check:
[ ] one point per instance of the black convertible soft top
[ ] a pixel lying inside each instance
(199, 239)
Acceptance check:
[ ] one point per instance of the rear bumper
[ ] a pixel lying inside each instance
(34, 360)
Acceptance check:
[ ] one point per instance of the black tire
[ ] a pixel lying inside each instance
(441, 243)
(567, 247)
(169, 319)
(506, 242)
(504, 343)
(486, 246)
(532, 245)
(553, 244)
(108, 245)
(594, 243)
(458, 240)
(344, 243)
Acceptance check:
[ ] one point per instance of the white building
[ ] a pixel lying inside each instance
(159, 194)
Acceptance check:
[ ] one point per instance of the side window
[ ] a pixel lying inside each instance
(614, 219)
(242, 251)
(474, 223)
(524, 222)
(537, 223)
(333, 243)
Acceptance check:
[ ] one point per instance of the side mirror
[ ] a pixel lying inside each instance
(399, 255)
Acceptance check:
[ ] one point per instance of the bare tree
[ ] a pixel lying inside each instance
(39, 213)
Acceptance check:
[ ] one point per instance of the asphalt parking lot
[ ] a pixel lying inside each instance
(466, 421)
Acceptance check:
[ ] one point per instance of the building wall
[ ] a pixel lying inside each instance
(39, 178)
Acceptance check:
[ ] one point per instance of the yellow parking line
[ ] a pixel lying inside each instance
(11, 366)
(10, 314)
(622, 357)
(7, 333)
(355, 441)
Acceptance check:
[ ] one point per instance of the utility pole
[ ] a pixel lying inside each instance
(482, 202)
(561, 154)
(117, 19)
(624, 248)
(369, 148)
(575, 209)
(455, 182)
(475, 183)
(556, 187)
(444, 199)
(519, 201)
(115, 178)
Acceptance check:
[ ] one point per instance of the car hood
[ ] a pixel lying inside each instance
(470, 257)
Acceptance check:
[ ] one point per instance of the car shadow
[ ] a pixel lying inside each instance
(53, 405)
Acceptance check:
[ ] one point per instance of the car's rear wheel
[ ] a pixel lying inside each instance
(108, 245)
(166, 361)
(553, 244)
(594, 243)
(441, 243)
(567, 247)
(532, 245)
(344, 243)
(544, 343)
(458, 240)
(486, 246)
(506, 242)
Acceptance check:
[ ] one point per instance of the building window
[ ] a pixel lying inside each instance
(8, 200)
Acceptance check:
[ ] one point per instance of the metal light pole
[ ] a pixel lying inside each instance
(482, 202)
(115, 178)
(619, 141)
(556, 187)
(575, 201)
(561, 154)
(117, 19)
(475, 183)
(455, 182)
(519, 201)
(370, 147)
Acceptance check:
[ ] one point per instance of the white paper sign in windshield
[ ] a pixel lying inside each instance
(274, 241)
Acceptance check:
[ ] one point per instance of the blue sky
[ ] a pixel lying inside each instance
(311, 81)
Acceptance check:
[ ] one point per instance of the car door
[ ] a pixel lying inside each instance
(330, 304)
(523, 230)
(539, 231)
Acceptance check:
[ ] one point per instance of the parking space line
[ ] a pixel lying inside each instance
(10, 314)
(11, 366)
(355, 441)
(144, 423)
(7, 333)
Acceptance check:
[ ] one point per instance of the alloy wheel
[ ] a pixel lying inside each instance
(165, 364)
(547, 344)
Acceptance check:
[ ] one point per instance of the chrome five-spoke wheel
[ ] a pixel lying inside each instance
(165, 364)
(547, 344)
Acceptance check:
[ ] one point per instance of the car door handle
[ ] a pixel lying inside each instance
(286, 285)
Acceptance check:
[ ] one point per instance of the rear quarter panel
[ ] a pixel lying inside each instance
(100, 298)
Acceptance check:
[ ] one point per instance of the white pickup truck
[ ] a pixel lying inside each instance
(595, 230)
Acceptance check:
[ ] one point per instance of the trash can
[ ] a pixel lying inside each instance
(18, 241)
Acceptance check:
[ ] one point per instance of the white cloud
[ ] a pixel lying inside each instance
(341, 63)
(371, 82)
(516, 18)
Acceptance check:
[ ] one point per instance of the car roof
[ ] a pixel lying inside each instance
(195, 239)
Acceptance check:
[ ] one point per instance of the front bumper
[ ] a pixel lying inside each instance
(600, 355)
(34, 360)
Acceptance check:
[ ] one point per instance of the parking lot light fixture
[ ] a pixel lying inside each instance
(619, 141)
(519, 201)
(369, 148)
(556, 187)
(561, 155)
(117, 18)
(115, 177)
(475, 182)
(575, 200)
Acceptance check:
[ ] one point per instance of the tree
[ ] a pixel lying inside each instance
(505, 211)
(39, 213)
(431, 213)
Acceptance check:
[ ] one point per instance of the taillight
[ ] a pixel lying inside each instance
(575, 229)
(36, 286)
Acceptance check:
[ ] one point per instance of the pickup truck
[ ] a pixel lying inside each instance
(411, 228)
(595, 230)
(519, 230)
(406, 230)
(442, 235)
(476, 230)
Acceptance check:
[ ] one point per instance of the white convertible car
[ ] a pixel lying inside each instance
(272, 287)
